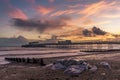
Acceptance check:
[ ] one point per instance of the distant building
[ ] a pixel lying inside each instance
(52, 40)
(33, 43)
(65, 42)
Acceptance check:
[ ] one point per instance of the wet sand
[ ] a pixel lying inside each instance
(15, 71)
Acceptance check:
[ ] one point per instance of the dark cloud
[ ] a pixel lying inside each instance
(86, 32)
(39, 25)
(98, 31)
(94, 31)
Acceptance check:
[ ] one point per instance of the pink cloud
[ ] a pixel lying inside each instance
(17, 13)
(43, 10)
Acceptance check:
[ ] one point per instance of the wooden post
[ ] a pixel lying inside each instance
(27, 60)
(42, 62)
(34, 60)
(23, 60)
(17, 60)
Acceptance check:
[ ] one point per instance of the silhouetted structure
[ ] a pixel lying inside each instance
(69, 44)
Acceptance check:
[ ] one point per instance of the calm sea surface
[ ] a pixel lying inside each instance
(34, 52)
(46, 52)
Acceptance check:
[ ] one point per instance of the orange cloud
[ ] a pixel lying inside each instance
(92, 23)
(44, 10)
(17, 13)
(111, 15)
(88, 21)
(96, 8)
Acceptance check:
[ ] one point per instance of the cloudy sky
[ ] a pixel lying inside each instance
(33, 18)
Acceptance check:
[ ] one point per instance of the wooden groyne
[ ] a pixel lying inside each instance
(26, 60)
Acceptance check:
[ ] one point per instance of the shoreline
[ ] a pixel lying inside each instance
(23, 71)
(71, 56)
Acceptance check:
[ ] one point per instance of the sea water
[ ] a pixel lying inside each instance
(34, 52)
(46, 52)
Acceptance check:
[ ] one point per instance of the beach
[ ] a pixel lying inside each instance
(23, 71)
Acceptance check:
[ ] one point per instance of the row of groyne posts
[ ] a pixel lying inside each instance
(26, 60)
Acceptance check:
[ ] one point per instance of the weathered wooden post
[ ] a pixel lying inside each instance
(42, 62)
(17, 60)
(34, 60)
(27, 60)
(23, 60)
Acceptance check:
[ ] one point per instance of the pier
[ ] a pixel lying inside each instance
(76, 45)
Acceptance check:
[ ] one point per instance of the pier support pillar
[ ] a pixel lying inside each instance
(99, 46)
(110, 46)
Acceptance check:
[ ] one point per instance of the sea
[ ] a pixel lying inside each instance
(47, 52)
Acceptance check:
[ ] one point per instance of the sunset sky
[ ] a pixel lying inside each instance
(33, 18)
